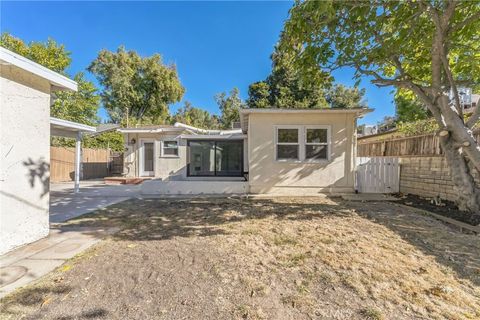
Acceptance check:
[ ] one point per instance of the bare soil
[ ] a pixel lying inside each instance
(261, 259)
(446, 208)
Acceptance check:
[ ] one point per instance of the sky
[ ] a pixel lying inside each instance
(216, 46)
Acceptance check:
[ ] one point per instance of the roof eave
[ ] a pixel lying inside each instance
(58, 81)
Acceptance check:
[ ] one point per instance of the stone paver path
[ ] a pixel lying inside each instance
(25, 264)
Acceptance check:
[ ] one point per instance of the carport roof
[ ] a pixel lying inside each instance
(68, 129)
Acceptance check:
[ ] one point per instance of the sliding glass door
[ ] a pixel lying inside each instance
(215, 158)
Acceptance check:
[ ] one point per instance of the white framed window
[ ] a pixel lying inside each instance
(317, 143)
(309, 143)
(287, 143)
(169, 148)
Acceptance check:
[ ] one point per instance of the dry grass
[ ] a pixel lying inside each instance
(271, 259)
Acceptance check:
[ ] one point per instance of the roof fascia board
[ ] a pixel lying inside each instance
(56, 79)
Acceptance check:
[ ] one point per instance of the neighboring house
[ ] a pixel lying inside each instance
(276, 151)
(25, 98)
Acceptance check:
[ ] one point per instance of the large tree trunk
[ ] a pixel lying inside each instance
(468, 193)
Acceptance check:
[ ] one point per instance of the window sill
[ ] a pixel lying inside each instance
(170, 157)
(304, 161)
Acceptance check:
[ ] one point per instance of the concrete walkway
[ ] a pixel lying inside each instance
(30, 262)
(25, 264)
(93, 195)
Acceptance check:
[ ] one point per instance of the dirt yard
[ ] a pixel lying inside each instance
(262, 259)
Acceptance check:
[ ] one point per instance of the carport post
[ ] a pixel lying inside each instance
(78, 159)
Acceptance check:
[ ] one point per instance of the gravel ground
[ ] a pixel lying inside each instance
(303, 258)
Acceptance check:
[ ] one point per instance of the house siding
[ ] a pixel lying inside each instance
(266, 175)
(25, 150)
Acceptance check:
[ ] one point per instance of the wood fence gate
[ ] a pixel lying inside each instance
(377, 175)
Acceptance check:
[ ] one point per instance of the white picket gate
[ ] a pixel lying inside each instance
(377, 175)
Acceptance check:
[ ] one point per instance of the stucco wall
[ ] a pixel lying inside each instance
(25, 157)
(165, 167)
(266, 175)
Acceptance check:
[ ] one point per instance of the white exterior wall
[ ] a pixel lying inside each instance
(267, 175)
(25, 157)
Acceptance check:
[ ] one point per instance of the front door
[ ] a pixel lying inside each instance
(147, 158)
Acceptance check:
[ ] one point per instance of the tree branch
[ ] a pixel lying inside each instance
(474, 117)
(460, 25)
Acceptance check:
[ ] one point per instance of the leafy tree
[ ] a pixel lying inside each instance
(80, 106)
(49, 54)
(196, 117)
(340, 96)
(229, 107)
(136, 86)
(429, 47)
(259, 95)
(286, 87)
(408, 108)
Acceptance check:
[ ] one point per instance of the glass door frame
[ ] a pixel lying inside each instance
(214, 141)
(141, 158)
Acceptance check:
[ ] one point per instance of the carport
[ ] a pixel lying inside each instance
(70, 129)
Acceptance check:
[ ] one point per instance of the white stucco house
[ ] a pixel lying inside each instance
(276, 151)
(26, 126)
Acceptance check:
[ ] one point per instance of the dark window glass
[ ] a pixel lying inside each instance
(170, 148)
(288, 135)
(316, 135)
(316, 151)
(202, 155)
(215, 158)
(148, 156)
(229, 158)
(287, 151)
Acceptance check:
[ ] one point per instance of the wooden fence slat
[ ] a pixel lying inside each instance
(424, 145)
(96, 163)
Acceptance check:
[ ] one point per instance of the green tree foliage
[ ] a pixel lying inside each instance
(196, 117)
(80, 106)
(430, 48)
(408, 108)
(229, 106)
(49, 54)
(141, 86)
(286, 87)
(340, 96)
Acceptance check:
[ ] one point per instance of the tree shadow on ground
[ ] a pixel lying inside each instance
(161, 219)
(449, 247)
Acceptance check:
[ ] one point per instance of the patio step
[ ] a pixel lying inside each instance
(124, 180)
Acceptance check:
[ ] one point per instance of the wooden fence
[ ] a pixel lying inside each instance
(96, 163)
(418, 146)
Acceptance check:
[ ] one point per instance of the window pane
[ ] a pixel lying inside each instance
(316, 152)
(287, 151)
(170, 151)
(229, 158)
(148, 156)
(201, 158)
(288, 135)
(170, 144)
(316, 135)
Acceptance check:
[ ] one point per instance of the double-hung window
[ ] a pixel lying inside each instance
(288, 144)
(170, 148)
(316, 143)
(302, 143)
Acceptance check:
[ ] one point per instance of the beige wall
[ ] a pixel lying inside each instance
(25, 157)
(266, 175)
(164, 166)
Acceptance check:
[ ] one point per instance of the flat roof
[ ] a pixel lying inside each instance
(69, 129)
(8, 57)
